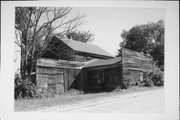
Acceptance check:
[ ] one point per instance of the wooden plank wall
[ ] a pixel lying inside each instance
(50, 78)
(134, 63)
(58, 63)
(56, 75)
(133, 59)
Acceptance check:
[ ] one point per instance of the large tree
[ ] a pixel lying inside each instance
(36, 25)
(147, 38)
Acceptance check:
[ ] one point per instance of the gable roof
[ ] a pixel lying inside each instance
(103, 62)
(81, 47)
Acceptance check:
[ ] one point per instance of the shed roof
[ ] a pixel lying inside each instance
(103, 62)
(85, 47)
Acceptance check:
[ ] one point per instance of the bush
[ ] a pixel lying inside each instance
(126, 83)
(158, 78)
(24, 88)
(147, 82)
(27, 89)
(154, 78)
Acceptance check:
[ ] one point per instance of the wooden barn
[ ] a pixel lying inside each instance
(109, 74)
(72, 64)
(60, 66)
(102, 75)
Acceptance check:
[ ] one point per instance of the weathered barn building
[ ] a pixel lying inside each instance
(72, 64)
(109, 74)
(62, 62)
(102, 75)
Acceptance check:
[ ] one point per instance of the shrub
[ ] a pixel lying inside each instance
(158, 78)
(126, 83)
(154, 78)
(23, 88)
(147, 82)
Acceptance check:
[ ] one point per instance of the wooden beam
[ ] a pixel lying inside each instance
(59, 63)
(102, 67)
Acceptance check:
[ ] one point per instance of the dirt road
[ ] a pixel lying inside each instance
(143, 102)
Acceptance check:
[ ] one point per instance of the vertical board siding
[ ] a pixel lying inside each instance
(66, 79)
(70, 77)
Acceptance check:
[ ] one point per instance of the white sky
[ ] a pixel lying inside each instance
(107, 23)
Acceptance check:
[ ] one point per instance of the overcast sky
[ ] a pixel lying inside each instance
(107, 23)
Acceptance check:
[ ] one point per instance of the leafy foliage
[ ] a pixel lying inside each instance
(24, 88)
(126, 83)
(158, 79)
(154, 78)
(147, 38)
(27, 89)
(81, 36)
(150, 79)
(147, 80)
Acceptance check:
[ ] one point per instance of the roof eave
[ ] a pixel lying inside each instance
(92, 54)
(100, 66)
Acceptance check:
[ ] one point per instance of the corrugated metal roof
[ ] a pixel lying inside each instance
(85, 47)
(103, 62)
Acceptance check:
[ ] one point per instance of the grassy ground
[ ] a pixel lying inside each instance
(70, 98)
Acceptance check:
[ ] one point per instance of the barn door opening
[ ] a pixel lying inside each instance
(101, 80)
(92, 77)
